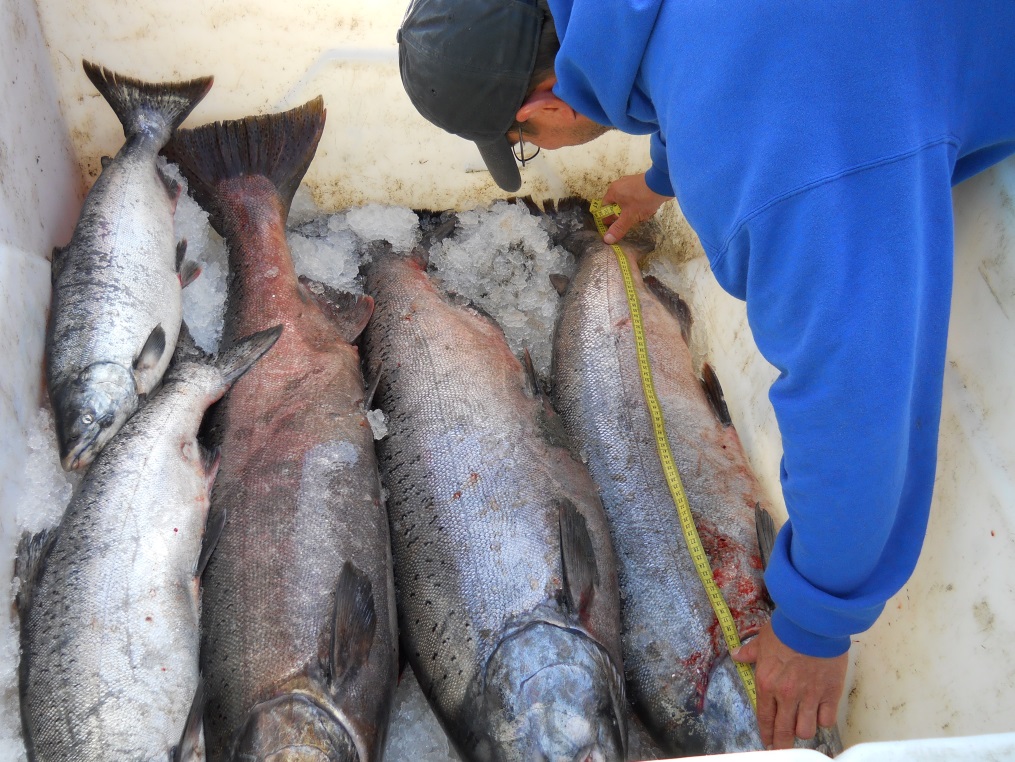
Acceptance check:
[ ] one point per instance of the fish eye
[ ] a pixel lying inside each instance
(87, 419)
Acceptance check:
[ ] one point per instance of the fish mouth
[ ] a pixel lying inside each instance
(79, 454)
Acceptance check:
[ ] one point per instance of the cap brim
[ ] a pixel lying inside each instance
(501, 163)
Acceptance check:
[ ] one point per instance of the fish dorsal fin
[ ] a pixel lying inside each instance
(765, 526)
(560, 283)
(710, 383)
(189, 748)
(212, 535)
(152, 351)
(355, 622)
(581, 573)
(240, 357)
(32, 553)
(673, 303)
(349, 313)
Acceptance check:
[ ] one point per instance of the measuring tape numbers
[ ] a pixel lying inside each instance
(676, 487)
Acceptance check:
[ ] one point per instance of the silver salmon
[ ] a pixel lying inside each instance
(298, 643)
(117, 308)
(506, 581)
(110, 604)
(680, 676)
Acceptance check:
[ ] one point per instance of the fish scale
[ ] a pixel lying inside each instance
(117, 283)
(681, 678)
(480, 489)
(110, 609)
(298, 629)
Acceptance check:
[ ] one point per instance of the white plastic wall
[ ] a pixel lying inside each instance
(939, 663)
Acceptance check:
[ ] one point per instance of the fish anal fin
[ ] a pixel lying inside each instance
(349, 313)
(105, 161)
(581, 573)
(152, 351)
(713, 391)
(354, 625)
(173, 188)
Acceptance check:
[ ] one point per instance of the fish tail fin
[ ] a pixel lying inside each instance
(141, 106)
(279, 147)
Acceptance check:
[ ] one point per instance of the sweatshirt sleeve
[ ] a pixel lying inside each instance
(658, 176)
(848, 288)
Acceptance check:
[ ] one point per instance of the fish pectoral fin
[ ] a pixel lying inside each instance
(764, 524)
(32, 553)
(349, 313)
(152, 351)
(674, 305)
(578, 558)
(240, 357)
(713, 391)
(212, 535)
(355, 622)
(189, 749)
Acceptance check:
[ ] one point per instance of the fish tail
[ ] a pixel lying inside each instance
(158, 107)
(279, 147)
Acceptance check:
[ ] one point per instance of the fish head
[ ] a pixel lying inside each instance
(293, 728)
(91, 409)
(552, 693)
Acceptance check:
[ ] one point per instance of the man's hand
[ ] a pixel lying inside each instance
(796, 693)
(637, 202)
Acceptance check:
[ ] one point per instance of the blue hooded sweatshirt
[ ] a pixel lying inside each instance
(812, 146)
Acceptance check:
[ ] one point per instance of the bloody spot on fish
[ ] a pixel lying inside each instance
(175, 529)
(456, 495)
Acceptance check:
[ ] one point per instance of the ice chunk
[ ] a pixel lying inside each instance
(415, 735)
(396, 225)
(378, 423)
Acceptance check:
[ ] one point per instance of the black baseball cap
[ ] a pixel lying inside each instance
(466, 66)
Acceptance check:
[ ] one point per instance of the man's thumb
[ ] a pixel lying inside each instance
(745, 654)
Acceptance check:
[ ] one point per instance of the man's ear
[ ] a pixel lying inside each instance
(543, 103)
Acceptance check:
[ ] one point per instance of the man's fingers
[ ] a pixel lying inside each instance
(766, 718)
(746, 654)
(785, 725)
(827, 714)
(806, 722)
(618, 229)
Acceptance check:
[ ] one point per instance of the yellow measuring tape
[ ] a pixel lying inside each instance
(701, 564)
